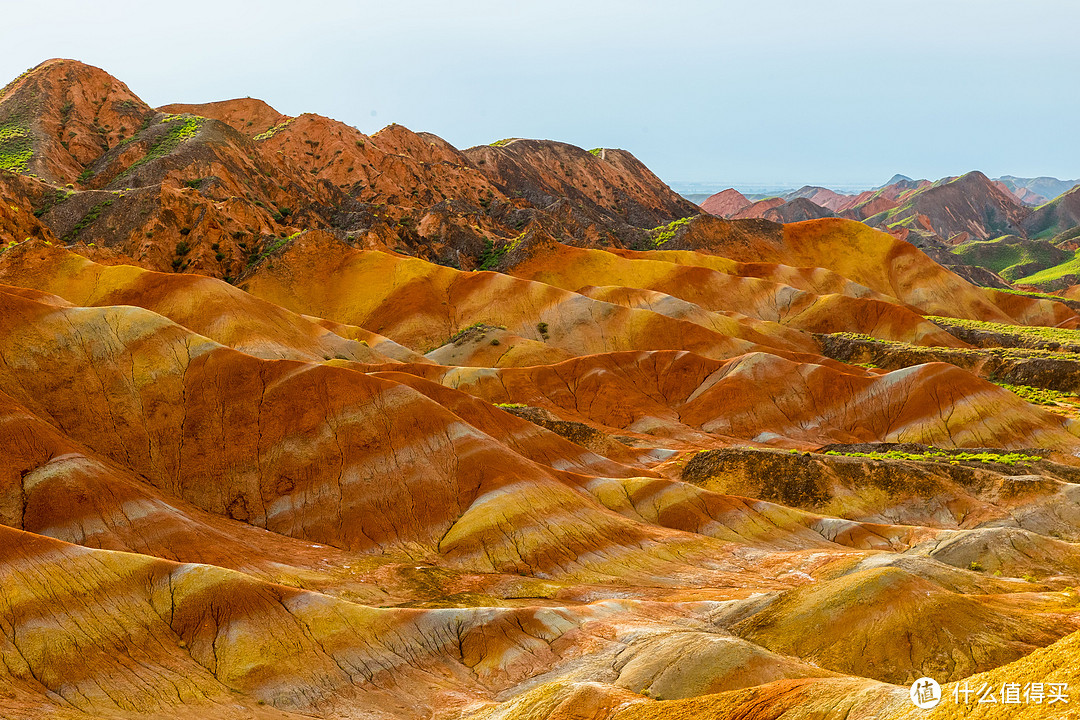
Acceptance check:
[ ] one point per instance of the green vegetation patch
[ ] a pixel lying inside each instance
(1030, 294)
(274, 246)
(596, 151)
(1011, 257)
(953, 457)
(869, 338)
(182, 128)
(1054, 273)
(491, 255)
(504, 141)
(464, 333)
(52, 200)
(15, 146)
(1039, 396)
(1037, 332)
(267, 134)
(663, 233)
(942, 353)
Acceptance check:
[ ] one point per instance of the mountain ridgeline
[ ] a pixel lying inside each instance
(211, 188)
(994, 232)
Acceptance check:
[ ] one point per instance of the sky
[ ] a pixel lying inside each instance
(781, 93)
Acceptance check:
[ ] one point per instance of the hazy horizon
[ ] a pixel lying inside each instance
(687, 188)
(834, 93)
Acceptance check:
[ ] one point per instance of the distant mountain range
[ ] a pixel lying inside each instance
(1031, 191)
(993, 232)
(1046, 187)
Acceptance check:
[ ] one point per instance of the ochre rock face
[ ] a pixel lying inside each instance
(797, 210)
(17, 219)
(205, 305)
(758, 209)
(605, 179)
(69, 114)
(246, 115)
(725, 203)
(299, 422)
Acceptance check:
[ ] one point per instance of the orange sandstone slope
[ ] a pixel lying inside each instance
(383, 168)
(595, 529)
(58, 487)
(871, 258)
(762, 398)
(168, 392)
(573, 268)
(275, 492)
(62, 116)
(17, 219)
(207, 306)
(608, 180)
(248, 115)
(423, 305)
(725, 203)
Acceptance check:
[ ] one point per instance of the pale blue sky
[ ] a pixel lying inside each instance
(784, 92)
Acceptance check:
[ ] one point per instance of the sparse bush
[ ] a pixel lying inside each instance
(90, 217)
